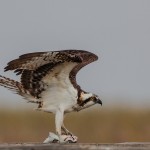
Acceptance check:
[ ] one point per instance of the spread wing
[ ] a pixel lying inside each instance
(36, 69)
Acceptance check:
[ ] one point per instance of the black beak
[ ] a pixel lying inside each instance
(98, 101)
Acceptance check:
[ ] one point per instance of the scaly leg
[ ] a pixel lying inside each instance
(65, 130)
(59, 137)
(59, 125)
(55, 138)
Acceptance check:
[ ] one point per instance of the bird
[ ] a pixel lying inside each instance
(49, 80)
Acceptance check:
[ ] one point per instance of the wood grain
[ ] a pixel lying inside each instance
(79, 146)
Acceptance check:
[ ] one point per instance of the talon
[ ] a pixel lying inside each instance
(53, 138)
(68, 139)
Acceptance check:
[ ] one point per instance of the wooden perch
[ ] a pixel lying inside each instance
(78, 146)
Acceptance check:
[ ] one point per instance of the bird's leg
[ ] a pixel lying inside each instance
(66, 131)
(59, 136)
(59, 125)
(59, 121)
(55, 138)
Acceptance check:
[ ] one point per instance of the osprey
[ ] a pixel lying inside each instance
(49, 80)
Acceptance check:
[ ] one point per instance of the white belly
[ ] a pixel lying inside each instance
(60, 93)
(59, 98)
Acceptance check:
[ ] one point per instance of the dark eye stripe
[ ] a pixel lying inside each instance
(85, 101)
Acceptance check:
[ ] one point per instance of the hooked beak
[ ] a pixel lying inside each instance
(98, 101)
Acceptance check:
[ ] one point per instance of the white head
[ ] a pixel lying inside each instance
(89, 99)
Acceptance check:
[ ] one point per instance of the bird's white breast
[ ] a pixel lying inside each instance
(60, 93)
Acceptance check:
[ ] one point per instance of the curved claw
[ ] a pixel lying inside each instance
(53, 138)
(68, 139)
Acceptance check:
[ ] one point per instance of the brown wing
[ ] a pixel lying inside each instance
(87, 58)
(34, 66)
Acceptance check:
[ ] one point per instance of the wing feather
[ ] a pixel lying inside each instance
(32, 61)
(33, 67)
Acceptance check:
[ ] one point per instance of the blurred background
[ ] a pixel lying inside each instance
(117, 31)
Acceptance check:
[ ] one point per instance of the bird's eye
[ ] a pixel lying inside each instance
(95, 98)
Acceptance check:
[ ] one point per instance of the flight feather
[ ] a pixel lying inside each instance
(33, 67)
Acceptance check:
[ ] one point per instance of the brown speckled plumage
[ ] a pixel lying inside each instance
(34, 66)
(49, 80)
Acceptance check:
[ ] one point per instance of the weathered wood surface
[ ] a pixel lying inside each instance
(79, 146)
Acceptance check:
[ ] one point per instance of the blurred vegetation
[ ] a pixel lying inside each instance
(91, 125)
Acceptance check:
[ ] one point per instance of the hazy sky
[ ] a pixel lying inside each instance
(118, 31)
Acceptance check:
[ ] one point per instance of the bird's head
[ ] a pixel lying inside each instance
(89, 99)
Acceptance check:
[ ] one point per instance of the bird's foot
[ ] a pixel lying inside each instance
(68, 139)
(53, 138)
